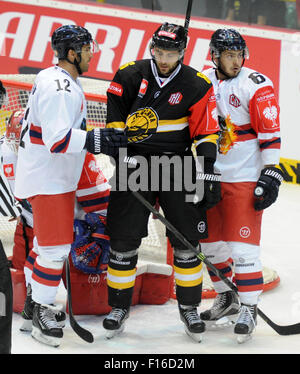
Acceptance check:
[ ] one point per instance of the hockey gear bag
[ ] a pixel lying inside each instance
(90, 249)
(267, 187)
(107, 141)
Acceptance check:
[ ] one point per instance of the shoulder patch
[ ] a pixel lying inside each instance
(126, 65)
(115, 88)
(201, 75)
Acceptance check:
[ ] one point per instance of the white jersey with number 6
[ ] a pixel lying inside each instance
(51, 153)
(250, 135)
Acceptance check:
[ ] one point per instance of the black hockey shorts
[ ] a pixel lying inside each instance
(127, 217)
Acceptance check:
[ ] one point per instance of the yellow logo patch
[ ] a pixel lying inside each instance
(141, 124)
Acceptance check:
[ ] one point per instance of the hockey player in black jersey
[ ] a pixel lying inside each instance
(165, 108)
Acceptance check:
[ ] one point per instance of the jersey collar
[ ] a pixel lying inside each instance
(163, 83)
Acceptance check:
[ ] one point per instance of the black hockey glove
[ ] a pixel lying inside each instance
(212, 186)
(107, 141)
(267, 187)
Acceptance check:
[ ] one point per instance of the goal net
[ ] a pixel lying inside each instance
(155, 247)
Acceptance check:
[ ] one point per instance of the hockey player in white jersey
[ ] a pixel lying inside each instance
(248, 152)
(52, 150)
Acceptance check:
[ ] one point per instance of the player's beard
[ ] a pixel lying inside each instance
(170, 70)
(232, 73)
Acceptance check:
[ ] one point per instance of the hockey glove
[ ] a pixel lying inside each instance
(267, 187)
(90, 249)
(107, 141)
(212, 186)
(212, 191)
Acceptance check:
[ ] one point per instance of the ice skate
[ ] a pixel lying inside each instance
(224, 311)
(193, 325)
(45, 328)
(28, 311)
(114, 323)
(246, 323)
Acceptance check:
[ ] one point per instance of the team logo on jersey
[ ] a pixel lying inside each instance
(9, 170)
(228, 136)
(271, 113)
(143, 88)
(141, 124)
(175, 98)
(234, 101)
(115, 88)
(93, 166)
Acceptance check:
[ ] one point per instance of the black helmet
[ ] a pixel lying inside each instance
(69, 37)
(169, 36)
(227, 39)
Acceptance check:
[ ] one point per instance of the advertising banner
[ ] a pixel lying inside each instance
(123, 35)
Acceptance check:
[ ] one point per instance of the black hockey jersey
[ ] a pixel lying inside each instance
(163, 115)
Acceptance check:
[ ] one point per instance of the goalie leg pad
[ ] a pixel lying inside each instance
(121, 276)
(188, 277)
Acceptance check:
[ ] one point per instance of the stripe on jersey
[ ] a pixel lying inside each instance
(116, 125)
(206, 139)
(35, 134)
(92, 203)
(168, 125)
(273, 143)
(62, 145)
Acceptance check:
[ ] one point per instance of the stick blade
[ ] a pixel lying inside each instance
(281, 330)
(80, 331)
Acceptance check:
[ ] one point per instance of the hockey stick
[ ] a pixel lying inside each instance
(281, 330)
(188, 16)
(80, 331)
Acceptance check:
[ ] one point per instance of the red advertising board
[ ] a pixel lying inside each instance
(25, 31)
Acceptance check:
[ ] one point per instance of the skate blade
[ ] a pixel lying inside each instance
(45, 339)
(26, 325)
(243, 338)
(221, 323)
(112, 333)
(197, 337)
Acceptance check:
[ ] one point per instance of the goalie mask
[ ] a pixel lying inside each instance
(13, 130)
(71, 37)
(170, 37)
